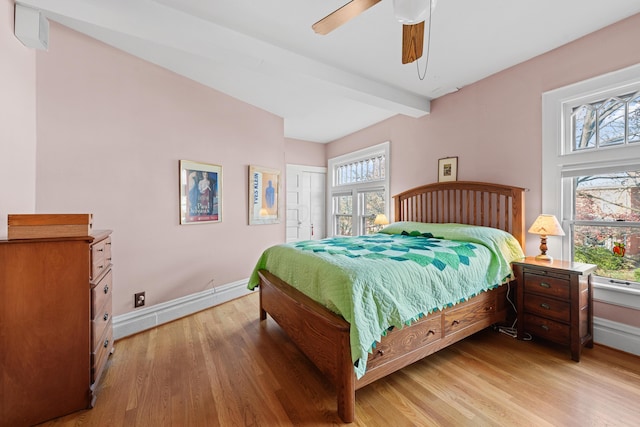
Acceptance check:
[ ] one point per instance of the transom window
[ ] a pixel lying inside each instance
(608, 122)
(359, 189)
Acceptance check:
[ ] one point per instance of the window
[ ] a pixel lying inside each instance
(591, 173)
(359, 187)
(606, 224)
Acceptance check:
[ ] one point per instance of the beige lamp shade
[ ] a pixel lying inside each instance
(546, 225)
(381, 219)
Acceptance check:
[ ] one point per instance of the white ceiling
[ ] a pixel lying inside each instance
(265, 53)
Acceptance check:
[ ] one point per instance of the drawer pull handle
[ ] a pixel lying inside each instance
(381, 352)
(545, 285)
(106, 343)
(106, 317)
(545, 306)
(101, 250)
(106, 289)
(545, 327)
(455, 322)
(431, 332)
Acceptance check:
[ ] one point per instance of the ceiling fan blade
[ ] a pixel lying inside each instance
(342, 15)
(412, 42)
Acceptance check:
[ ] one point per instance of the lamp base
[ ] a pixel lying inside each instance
(544, 257)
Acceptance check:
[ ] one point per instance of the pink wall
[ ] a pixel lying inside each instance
(495, 126)
(298, 152)
(17, 121)
(111, 130)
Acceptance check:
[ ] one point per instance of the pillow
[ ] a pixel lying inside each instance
(407, 227)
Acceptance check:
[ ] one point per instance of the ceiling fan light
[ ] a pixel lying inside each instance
(411, 12)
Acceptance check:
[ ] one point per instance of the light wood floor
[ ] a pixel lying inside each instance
(224, 367)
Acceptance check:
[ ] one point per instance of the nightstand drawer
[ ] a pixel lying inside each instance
(546, 285)
(547, 329)
(548, 307)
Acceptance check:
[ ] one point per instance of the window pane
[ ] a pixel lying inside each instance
(612, 121)
(634, 119)
(343, 204)
(344, 225)
(584, 127)
(367, 170)
(608, 197)
(613, 249)
(372, 204)
(342, 212)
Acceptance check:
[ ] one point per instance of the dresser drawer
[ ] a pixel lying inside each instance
(548, 307)
(546, 285)
(467, 313)
(101, 320)
(423, 332)
(100, 257)
(101, 292)
(101, 353)
(547, 329)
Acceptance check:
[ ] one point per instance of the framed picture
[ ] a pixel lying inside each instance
(200, 192)
(448, 169)
(264, 188)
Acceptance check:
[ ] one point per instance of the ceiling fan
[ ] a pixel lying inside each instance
(410, 13)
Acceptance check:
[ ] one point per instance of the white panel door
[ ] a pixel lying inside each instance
(306, 188)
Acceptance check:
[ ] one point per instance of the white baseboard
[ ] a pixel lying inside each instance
(147, 318)
(616, 335)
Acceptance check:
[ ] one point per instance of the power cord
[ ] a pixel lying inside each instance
(511, 330)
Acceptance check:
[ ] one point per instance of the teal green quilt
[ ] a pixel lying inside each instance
(393, 278)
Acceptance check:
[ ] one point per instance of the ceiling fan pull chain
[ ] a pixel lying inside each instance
(426, 65)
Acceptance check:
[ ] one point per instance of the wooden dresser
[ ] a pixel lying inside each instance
(554, 301)
(55, 325)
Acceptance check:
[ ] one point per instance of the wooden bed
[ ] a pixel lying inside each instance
(323, 336)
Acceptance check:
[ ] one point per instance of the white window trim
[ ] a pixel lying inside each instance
(557, 163)
(383, 148)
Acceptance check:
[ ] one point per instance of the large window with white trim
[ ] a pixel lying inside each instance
(591, 173)
(359, 187)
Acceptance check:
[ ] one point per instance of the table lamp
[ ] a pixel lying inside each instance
(545, 225)
(381, 219)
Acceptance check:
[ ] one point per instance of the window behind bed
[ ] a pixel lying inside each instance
(359, 188)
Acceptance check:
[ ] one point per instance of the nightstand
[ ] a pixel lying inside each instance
(554, 302)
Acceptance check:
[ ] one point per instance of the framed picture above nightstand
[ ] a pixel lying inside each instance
(554, 302)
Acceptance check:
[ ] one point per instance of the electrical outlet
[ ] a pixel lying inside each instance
(138, 299)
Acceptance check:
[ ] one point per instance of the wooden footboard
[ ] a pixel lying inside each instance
(323, 336)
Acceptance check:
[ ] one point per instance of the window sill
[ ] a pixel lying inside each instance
(617, 295)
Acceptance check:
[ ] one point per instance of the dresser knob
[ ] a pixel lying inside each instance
(545, 327)
(545, 285)
(106, 289)
(106, 343)
(545, 306)
(381, 352)
(106, 317)
(455, 322)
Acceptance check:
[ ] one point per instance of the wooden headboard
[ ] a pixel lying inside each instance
(465, 202)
